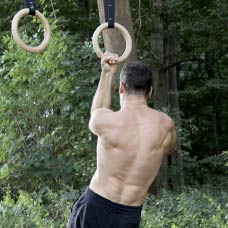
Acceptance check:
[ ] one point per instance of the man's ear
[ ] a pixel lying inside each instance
(150, 92)
(121, 88)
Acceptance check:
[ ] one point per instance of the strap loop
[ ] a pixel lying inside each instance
(30, 4)
(109, 8)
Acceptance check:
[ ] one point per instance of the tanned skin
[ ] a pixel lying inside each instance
(131, 142)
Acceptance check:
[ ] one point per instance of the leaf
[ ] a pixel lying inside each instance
(4, 171)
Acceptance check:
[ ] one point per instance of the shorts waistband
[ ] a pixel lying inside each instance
(90, 194)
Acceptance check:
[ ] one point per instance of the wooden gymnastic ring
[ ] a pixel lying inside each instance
(124, 32)
(18, 40)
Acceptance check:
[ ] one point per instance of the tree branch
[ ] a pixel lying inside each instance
(193, 59)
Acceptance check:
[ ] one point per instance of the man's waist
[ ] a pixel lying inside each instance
(93, 196)
(117, 192)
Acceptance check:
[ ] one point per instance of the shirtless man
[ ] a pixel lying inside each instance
(131, 145)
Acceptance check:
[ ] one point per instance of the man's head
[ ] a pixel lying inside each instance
(136, 79)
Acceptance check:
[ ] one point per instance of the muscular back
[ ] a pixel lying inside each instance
(130, 148)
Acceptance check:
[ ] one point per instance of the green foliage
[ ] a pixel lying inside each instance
(45, 144)
(206, 207)
(45, 105)
(211, 170)
(4, 171)
(201, 34)
(203, 72)
(43, 209)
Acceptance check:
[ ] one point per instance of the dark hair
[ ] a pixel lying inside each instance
(137, 78)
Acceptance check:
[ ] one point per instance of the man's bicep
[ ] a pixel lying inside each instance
(98, 120)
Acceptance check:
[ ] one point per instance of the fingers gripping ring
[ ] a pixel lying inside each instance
(124, 32)
(18, 40)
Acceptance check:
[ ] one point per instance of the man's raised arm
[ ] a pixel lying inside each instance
(102, 98)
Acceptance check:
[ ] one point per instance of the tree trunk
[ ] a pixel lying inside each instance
(84, 6)
(177, 177)
(164, 51)
(215, 120)
(113, 40)
(160, 86)
(213, 74)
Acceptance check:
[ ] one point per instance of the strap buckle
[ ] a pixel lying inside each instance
(109, 7)
(31, 5)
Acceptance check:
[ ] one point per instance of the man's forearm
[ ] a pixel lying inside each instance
(102, 98)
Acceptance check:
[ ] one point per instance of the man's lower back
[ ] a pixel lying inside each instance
(94, 211)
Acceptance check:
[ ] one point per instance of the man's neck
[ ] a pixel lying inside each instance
(133, 101)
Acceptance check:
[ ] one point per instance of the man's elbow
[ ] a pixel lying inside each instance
(173, 150)
(173, 145)
(91, 125)
(170, 151)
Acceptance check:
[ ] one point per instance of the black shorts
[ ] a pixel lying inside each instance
(91, 210)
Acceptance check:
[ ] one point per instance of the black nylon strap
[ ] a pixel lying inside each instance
(109, 7)
(31, 5)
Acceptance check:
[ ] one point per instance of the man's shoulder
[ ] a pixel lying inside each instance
(101, 115)
(101, 111)
(168, 128)
(101, 119)
(164, 118)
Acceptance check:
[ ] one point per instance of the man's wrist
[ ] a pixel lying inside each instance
(107, 73)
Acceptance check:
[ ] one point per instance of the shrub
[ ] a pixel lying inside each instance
(203, 208)
(42, 210)
(192, 208)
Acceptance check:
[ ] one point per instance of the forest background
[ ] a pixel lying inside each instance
(48, 155)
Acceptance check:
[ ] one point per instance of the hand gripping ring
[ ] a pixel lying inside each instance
(18, 40)
(124, 32)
